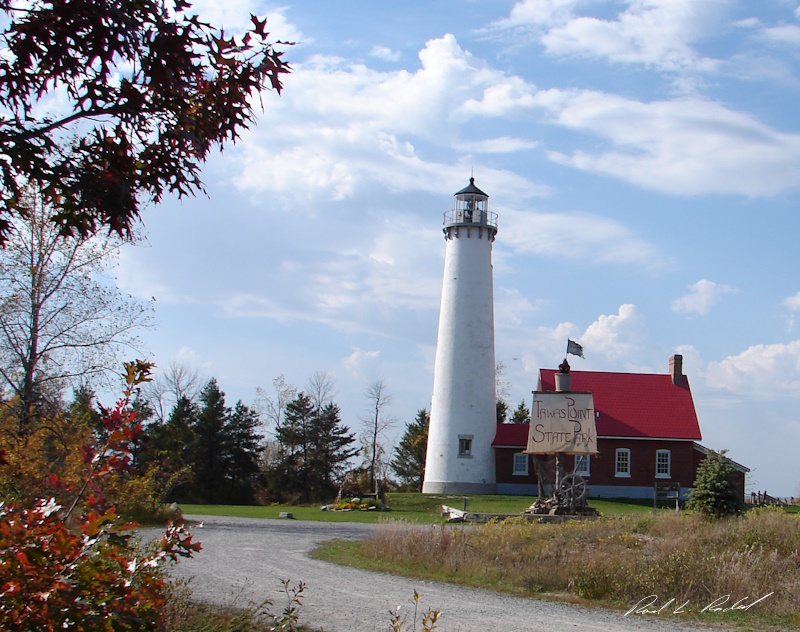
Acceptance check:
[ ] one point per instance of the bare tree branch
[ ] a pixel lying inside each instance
(60, 317)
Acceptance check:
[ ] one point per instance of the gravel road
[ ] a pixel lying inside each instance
(243, 560)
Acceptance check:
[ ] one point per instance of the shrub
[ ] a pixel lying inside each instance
(77, 569)
(716, 492)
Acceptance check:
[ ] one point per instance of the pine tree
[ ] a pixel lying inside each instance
(331, 444)
(502, 411)
(210, 444)
(716, 491)
(315, 447)
(409, 459)
(243, 449)
(169, 443)
(289, 478)
(522, 415)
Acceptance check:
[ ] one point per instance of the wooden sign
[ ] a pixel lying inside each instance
(562, 422)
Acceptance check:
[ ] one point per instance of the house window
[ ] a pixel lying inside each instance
(663, 462)
(520, 464)
(623, 461)
(582, 464)
(465, 445)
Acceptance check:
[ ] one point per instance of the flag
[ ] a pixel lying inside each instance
(574, 348)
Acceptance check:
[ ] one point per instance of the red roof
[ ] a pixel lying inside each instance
(629, 405)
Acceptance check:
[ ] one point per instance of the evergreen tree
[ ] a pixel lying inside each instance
(522, 415)
(502, 412)
(289, 478)
(82, 411)
(716, 491)
(169, 443)
(243, 445)
(409, 459)
(210, 444)
(331, 448)
(314, 449)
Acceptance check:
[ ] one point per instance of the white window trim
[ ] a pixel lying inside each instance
(585, 458)
(669, 464)
(514, 470)
(465, 455)
(617, 473)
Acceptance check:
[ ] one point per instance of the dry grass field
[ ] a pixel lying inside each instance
(686, 561)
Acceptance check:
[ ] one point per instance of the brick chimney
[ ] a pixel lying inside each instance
(676, 369)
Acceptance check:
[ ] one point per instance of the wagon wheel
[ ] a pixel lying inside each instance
(573, 489)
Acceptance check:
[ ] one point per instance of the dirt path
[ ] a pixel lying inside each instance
(244, 559)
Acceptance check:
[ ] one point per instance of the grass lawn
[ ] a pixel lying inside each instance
(411, 507)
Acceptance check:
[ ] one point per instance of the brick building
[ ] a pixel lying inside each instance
(647, 432)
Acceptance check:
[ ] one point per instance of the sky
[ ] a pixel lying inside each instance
(642, 156)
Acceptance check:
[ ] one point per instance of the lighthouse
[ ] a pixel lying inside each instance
(463, 419)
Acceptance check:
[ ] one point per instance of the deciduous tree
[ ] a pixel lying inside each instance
(376, 422)
(274, 409)
(140, 91)
(175, 382)
(68, 562)
(62, 319)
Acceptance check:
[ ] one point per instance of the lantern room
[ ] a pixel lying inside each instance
(471, 207)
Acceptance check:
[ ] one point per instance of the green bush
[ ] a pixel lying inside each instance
(716, 492)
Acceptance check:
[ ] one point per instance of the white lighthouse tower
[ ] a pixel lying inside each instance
(463, 420)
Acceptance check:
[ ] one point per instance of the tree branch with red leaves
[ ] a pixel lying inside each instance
(151, 90)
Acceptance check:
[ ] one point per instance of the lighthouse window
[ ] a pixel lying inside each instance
(520, 464)
(582, 464)
(465, 445)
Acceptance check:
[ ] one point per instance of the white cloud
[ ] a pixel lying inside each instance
(612, 342)
(136, 277)
(510, 307)
(747, 23)
(692, 360)
(654, 33)
(249, 305)
(539, 13)
(784, 34)
(386, 54)
(499, 145)
(761, 371)
(679, 147)
(234, 17)
(702, 297)
(379, 284)
(576, 236)
(340, 127)
(507, 95)
(525, 350)
(357, 363)
(616, 336)
(188, 357)
(793, 302)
